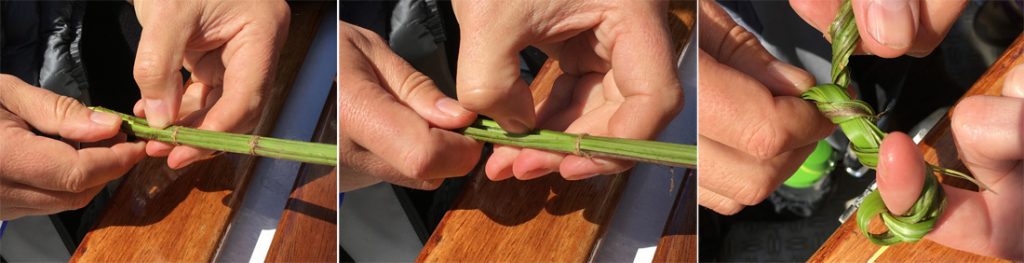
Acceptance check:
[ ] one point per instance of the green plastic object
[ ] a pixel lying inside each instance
(818, 165)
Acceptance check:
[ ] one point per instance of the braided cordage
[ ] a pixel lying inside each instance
(857, 120)
(854, 117)
(843, 32)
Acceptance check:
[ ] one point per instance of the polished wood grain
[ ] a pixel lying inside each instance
(678, 242)
(159, 214)
(308, 231)
(848, 245)
(548, 219)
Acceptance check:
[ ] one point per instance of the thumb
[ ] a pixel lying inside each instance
(736, 47)
(901, 172)
(54, 114)
(889, 27)
(157, 65)
(488, 78)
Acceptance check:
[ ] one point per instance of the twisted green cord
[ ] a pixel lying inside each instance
(857, 120)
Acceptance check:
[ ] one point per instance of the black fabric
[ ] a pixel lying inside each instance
(59, 46)
(21, 42)
(109, 43)
(41, 45)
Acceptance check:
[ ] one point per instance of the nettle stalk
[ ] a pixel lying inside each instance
(308, 152)
(857, 120)
(670, 154)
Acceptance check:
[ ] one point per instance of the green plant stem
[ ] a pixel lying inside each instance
(671, 154)
(317, 153)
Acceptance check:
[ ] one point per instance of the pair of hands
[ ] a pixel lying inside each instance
(619, 81)
(755, 130)
(230, 47)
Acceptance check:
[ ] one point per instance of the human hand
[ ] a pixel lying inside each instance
(754, 129)
(395, 121)
(889, 28)
(40, 175)
(230, 47)
(619, 81)
(989, 134)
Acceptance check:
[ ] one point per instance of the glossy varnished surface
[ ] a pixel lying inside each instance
(158, 214)
(678, 243)
(847, 243)
(308, 228)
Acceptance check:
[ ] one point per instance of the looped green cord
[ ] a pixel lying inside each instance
(857, 120)
(917, 222)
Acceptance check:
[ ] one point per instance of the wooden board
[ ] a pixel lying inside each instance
(848, 245)
(547, 219)
(513, 220)
(308, 231)
(158, 214)
(678, 242)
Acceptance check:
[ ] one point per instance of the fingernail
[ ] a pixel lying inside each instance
(451, 107)
(882, 168)
(893, 23)
(791, 75)
(535, 173)
(583, 176)
(157, 113)
(185, 163)
(103, 118)
(1013, 85)
(515, 126)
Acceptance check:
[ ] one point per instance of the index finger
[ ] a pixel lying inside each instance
(739, 112)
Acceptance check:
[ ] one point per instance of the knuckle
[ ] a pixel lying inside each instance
(673, 101)
(74, 181)
(727, 208)
(149, 71)
(365, 38)
(63, 107)
(966, 130)
(429, 185)
(414, 85)
(761, 142)
(479, 99)
(79, 202)
(282, 12)
(418, 161)
(751, 193)
(732, 49)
